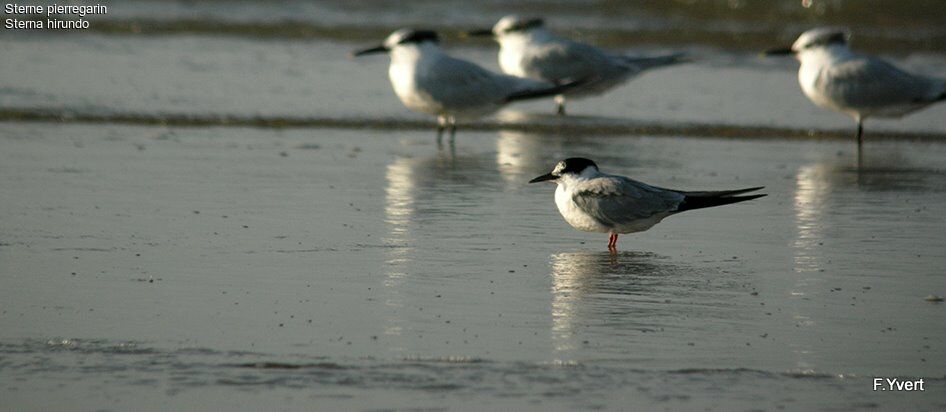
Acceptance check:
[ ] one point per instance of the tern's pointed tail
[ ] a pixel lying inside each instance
(644, 63)
(538, 92)
(699, 200)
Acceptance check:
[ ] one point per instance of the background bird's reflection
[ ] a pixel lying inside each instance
(422, 194)
(830, 199)
(422, 189)
(847, 218)
(521, 155)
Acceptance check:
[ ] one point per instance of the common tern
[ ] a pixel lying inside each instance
(593, 201)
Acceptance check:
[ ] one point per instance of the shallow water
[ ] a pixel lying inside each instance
(370, 269)
(207, 205)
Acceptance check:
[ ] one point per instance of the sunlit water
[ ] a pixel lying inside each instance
(208, 205)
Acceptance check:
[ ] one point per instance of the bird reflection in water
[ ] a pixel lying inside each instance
(625, 293)
(827, 194)
(421, 192)
(520, 155)
(834, 206)
(811, 191)
(399, 210)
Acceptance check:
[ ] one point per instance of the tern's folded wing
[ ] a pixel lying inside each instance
(616, 200)
(566, 60)
(868, 82)
(459, 83)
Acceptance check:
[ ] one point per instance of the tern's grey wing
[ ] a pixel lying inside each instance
(618, 201)
(565, 60)
(459, 83)
(868, 82)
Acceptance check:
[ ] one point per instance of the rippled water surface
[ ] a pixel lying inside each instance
(207, 205)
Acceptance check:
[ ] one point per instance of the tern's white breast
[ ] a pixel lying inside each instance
(575, 217)
(812, 77)
(408, 64)
(511, 53)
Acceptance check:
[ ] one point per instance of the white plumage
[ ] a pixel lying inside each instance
(592, 201)
(528, 49)
(834, 77)
(427, 80)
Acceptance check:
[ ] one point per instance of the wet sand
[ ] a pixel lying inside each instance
(199, 267)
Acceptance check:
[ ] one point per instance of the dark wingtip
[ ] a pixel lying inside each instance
(477, 33)
(777, 51)
(700, 202)
(546, 92)
(741, 191)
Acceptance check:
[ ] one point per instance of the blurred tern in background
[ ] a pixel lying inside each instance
(592, 201)
(834, 77)
(528, 49)
(427, 80)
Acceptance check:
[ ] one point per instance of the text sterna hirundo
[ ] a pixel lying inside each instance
(529, 49)
(592, 201)
(834, 77)
(429, 81)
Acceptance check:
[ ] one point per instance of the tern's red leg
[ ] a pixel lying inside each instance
(613, 241)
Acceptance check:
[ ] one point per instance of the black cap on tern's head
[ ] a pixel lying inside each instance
(822, 36)
(515, 24)
(572, 165)
(814, 38)
(509, 24)
(402, 36)
(411, 36)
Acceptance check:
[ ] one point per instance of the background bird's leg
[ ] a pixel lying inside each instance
(441, 124)
(560, 101)
(453, 129)
(860, 140)
(860, 131)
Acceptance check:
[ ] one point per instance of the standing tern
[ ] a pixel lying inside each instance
(834, 77)
(528, 49)
(593, 201)
(427, 80)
